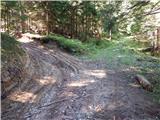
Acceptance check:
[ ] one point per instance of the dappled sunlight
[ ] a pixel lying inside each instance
(115, 105)
(29, 35)
(80, 83)
(46, 53)
(46, 80)
(111, 106)
(51, 50)
(134, 85)
(96, 73)
(41, 46)
(100, 107)
(120, 56)
(68, 94)
(23, 97)
(25, 39)
(133, 68)
(96, 108)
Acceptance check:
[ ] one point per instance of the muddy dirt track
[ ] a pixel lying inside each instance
(59, 86)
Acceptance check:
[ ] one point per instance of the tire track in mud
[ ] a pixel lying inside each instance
(58, 86)
(40, 65)
(62, 64)
(60, 57)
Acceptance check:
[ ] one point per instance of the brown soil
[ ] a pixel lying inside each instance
(59, 86)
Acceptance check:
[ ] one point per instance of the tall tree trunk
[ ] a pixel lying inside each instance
(28, 24)
(86, 28)
(8, 22)
(158, 38)
(5, 19)
(110, 34)
(83, 28)
(22, 15)
(71, 26)
(154, 44)
(76, 24)
(47, 17)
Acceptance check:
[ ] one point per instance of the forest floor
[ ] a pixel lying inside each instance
(59, 86)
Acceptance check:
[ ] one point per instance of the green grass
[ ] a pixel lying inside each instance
(73, 46)
(10, 49)
(124, 53)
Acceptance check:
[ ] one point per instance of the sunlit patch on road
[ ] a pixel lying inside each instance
(23, 97)
(95, 108)
(134, 85)
(69, 94)
(80, 83)
(96, 73)
(46, 80)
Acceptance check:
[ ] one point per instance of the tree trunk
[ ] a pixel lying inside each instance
(86, 27)
(76, 24)
(7, 21)
(110, 34)
(154, 44)
(83, 27)
(47, 23)
(47, 18)
(71, 26)
(158, 38)
(22, 21)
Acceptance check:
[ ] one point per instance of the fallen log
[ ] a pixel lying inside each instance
(144, 83)
(149, 49)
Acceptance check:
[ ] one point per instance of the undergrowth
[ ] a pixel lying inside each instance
(124, 53)
(75, 46)
(10, 49)
(11, 64)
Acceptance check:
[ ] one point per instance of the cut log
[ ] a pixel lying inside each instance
(149, 49)
(144, 82)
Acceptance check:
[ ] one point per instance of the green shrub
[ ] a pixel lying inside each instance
(98, 43)
(45, 40)
(73, 46)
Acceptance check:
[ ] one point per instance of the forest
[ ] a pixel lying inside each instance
(80, 60)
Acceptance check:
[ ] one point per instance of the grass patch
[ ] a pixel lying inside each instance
(9, 48)
(73, 46)
(98, 43)
(124, 53)
(12, 63)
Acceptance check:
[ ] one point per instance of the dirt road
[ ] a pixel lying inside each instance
(59, 86)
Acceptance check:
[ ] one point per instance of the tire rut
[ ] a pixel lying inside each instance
(58, 86)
